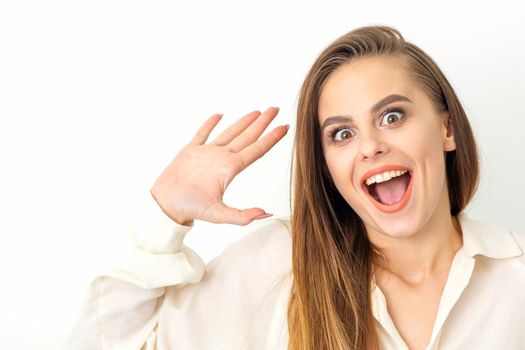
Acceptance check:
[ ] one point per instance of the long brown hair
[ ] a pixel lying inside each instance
(332, 258)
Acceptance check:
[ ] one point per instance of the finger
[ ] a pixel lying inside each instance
(204, 131)
(238, 127)
(252, 133)
(226, 215)
(257, 149)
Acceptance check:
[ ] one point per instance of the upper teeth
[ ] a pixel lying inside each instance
(387, 175)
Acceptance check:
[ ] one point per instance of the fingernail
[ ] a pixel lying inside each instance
(263, 216)
(287, 126)
(277, 109)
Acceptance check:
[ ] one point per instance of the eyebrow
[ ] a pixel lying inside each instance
(375, 108)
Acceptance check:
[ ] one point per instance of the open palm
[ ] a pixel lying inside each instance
(193, 184)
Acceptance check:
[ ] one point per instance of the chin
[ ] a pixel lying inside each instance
(397, 228)
(405, 224)
(399, 231)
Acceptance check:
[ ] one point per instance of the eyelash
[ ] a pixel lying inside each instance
(400, 110)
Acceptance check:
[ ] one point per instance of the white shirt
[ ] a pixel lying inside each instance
(161, 296)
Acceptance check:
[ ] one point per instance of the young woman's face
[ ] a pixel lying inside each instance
(384, 143)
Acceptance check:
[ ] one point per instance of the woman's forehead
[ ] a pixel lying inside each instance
(354, 88)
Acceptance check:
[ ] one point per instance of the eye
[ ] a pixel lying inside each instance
(341, 134)
(392, 116)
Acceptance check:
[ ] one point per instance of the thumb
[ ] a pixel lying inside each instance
(228, 215)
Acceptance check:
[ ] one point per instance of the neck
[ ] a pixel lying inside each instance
(424, 254)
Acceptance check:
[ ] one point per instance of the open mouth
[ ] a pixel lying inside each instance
(389, 190)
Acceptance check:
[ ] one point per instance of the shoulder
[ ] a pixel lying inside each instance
(270, 233)
(492, 241)
(265, 250)
(519, 238)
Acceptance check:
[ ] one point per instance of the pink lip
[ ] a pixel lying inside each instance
(382, 207)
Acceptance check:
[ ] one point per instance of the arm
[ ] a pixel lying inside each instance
(122, 305)
(123, 308)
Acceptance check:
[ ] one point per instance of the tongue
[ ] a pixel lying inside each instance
(391, 191)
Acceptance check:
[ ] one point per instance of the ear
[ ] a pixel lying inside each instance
(449, 144)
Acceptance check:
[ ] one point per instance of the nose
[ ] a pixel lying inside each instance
(371, 145)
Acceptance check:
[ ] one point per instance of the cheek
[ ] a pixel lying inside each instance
(341, 165)
(427, 152)
(433, 146)
(424, 143)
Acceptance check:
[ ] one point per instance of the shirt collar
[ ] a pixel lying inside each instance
(488, 240)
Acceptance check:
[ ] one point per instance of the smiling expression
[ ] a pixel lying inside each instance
(384, 141)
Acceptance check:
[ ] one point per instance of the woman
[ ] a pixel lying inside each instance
(378, 253)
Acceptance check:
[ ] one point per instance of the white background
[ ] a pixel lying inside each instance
(96, 97)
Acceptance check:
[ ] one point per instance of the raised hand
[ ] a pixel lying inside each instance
(193, 184)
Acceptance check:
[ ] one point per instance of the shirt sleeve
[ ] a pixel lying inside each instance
(122, 304)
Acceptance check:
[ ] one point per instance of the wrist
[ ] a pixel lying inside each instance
(177, 218)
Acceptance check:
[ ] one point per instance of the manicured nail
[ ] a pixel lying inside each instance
(263, 216)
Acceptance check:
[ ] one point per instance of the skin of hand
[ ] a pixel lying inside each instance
(192, 185)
